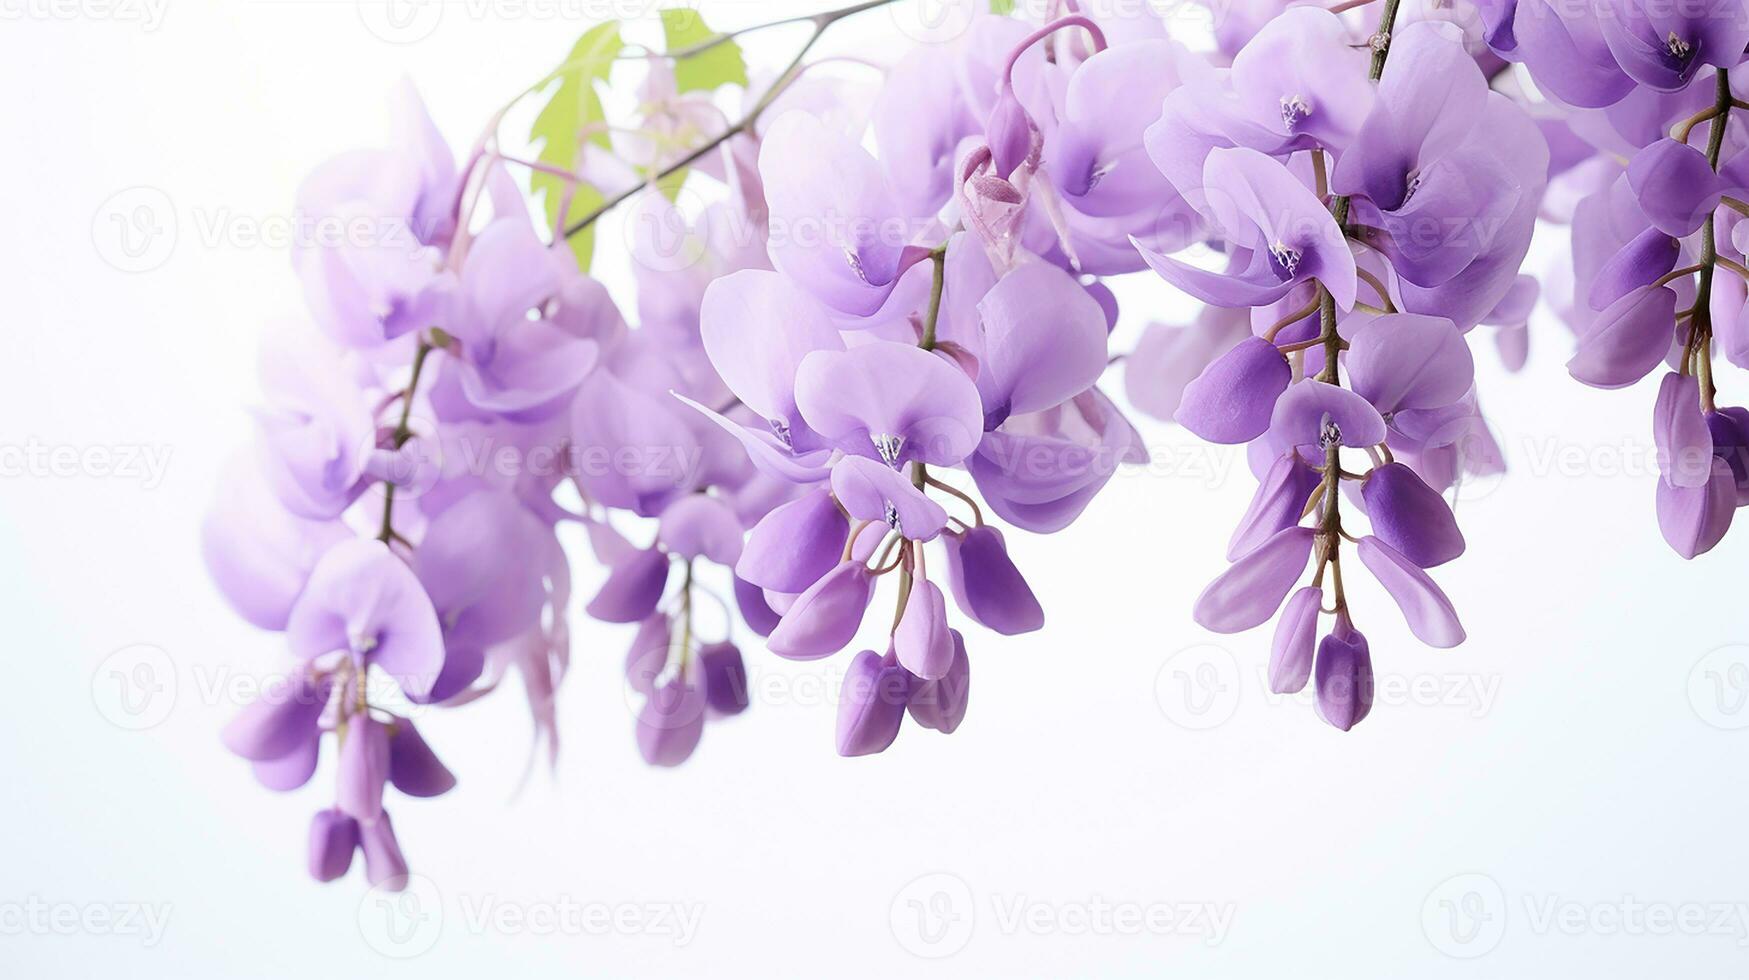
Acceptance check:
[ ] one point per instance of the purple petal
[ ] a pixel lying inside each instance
(648, 655)
(871, 704)
(872, 491)
(633, 588)
(364, 767)
(259, 554)
(1044, 342)
(1290, 655)
(1410, 516)
(1640, 262)
(1252, 588)
(986, 584)
(671, 723)
(1694, 519)
(384, 867)
(757, 327)
(891, 401)
(921, 640)
(289, 771)
(1232, 400)
(1627, 340)
(825, 617)
(1676, 187)
(1305, 412)
(413, 767)
(723, 674)
(363, 599)
(279, 722)
(333, 838)
(791, 547)
(1680, 432)
(1407, 361)
(1426, 609)
(1167, 358)
(1345, 680)
(701, 526)
(941, 704)
(755, 611)
(1280, 502)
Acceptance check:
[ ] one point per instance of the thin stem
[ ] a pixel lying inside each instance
(402, 432)
(977, 515)
(1291, 319)
(1701, 329)
(937, 256)
(745, 124)
(1373, 281)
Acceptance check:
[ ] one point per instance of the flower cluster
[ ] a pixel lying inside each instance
(1660, 179)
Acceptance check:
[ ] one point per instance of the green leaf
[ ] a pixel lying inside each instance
(1002, 8)
(721, 64)
(574, 107)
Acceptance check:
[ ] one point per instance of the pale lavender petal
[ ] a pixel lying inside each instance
(1252, 588)
(1232, 400)
(701, 526)
(1694, 519)
(671, 723)
(893, 402)
(1310, 410)
(413, 767)
(921, 640)
(364, 768)
(791, 547)
(1044, 342)
(1680, 433)
(1425, 608)
(1627, 340)
(941, 704)
(871, 704)
(384, 866)
(363, 599)
(986, 584)
(1290, 655)
(825, 617)
(633, 588)
(872, 491)
(1280, 502)
(1407, 361)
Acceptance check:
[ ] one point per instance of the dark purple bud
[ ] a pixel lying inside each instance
(871, 704)
(986, 584)
(413, 767)
(633, 588)
(1231, 401)
(333, 838)
(1411, 516)
(1344, 676)
(724, 676)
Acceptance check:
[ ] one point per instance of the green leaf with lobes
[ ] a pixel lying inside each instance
(575, 114)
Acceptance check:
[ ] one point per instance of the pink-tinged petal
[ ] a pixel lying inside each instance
(1252, 588)
(824, 618)
(941, 704)
(1425, 608)
(671, 723)
(1290, 655)
(364, 600)
(1407, 361)
(796, 543)
(871, 704)
(1345, 678)
(701, 526)
(364, 768)
(1232, 400)
(1694, 519)
(1411, 516)
(986, 584)
(1627, 340)
(1280, 502)
(633, 588)
(333, 838)
(921, 640)
(1308, 412)
(413, 767)
(872, 491)
(384, 866)
(891, 400)
(756, 327)
(1043, 342)
(1679, 431)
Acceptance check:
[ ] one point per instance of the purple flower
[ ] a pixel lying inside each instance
(367, 603)
(892, 402)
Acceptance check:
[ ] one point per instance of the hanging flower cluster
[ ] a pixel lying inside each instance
(884, 338)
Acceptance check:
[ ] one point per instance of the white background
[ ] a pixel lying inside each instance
(1575, 752)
